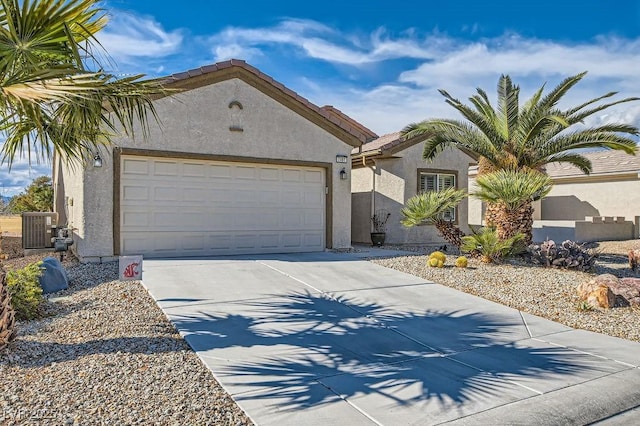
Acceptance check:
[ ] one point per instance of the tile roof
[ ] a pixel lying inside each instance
(603, 162)
(330, 114)
(382, 143)
(342, 116)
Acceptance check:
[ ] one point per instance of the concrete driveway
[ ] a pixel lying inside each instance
(326, 338)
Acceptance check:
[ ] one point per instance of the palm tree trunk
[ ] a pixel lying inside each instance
(510, 222)
(450, 232)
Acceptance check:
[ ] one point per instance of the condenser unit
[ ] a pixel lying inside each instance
(38, 228)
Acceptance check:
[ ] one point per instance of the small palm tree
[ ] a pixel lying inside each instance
(527, 136)
(489, 245)
(430, 207)
(512, 193)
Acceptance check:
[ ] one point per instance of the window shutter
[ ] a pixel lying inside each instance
(428, 183)
(446, 181)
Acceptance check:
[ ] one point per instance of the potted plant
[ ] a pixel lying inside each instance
(379, 221)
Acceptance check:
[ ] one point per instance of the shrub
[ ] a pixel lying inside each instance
(25, 290)
(568, 255)
(462, 262)
(489, 246)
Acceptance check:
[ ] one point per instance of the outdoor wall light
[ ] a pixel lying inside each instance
(343, 174)
(97, 161)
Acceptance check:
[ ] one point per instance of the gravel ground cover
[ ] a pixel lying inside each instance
(105, 354)
(546, 292)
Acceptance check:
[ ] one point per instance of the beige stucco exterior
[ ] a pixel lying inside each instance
(197, 122)
(567, 212)
(387, 183)
(576, 198)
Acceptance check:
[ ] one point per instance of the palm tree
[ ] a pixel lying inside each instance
(50, 98)
(524, 137)
(430, 207)
(513, 193)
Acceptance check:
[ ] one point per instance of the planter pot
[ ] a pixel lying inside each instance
(377, 238)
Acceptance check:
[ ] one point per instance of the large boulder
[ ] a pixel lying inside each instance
(54, 277)
(597, 292)
(627, 290)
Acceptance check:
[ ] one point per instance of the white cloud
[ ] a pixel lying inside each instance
(128, 37)
(321, 42)
(21, 175)
(234, 51)
(456, 65)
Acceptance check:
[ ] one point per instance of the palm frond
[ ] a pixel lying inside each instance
(575, 159)
(49, 102)
(512, 188)
(430, 205)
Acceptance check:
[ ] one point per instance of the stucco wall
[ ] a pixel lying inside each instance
(396, 180)
(198, 121)
(575, 200)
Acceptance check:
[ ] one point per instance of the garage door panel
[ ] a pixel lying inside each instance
(194, 170)
(135, 167)
(165, 168)
(313, 176)
(193, 207)
(135, 193)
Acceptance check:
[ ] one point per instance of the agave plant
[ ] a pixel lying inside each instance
(430, 207)
(512, 192)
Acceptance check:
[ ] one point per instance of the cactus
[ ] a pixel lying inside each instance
(438, 255)
(462, 262)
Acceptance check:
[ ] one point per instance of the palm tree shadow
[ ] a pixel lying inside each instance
(287, 347)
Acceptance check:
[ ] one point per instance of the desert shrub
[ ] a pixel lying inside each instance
(568, 255)
(489, 246)
(462, 262)
(25, 290)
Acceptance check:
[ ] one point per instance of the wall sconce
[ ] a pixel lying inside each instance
(343, 174)
(97, 161)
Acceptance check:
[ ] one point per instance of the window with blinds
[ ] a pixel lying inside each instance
(438, 182)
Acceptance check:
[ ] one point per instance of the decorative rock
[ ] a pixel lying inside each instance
(627, 289)
(597, 292)
(54, 277)
(634, 259)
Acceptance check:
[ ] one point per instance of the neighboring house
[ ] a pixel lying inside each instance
(387, 171)
(610, 194)
(611, 189)
(240, 164)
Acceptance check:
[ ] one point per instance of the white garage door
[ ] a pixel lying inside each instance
(175, 207)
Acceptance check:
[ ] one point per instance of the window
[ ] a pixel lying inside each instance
(436, 180)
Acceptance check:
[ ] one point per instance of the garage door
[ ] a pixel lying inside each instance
(175, 207)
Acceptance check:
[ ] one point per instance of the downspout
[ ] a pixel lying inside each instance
(373, 191)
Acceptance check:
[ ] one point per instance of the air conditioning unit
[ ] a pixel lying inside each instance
(38, 228)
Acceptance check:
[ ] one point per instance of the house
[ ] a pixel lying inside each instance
(603, 205)
(389, 170)
(611, 189)
(240, 164)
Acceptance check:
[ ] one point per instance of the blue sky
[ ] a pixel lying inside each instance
(382, 61)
